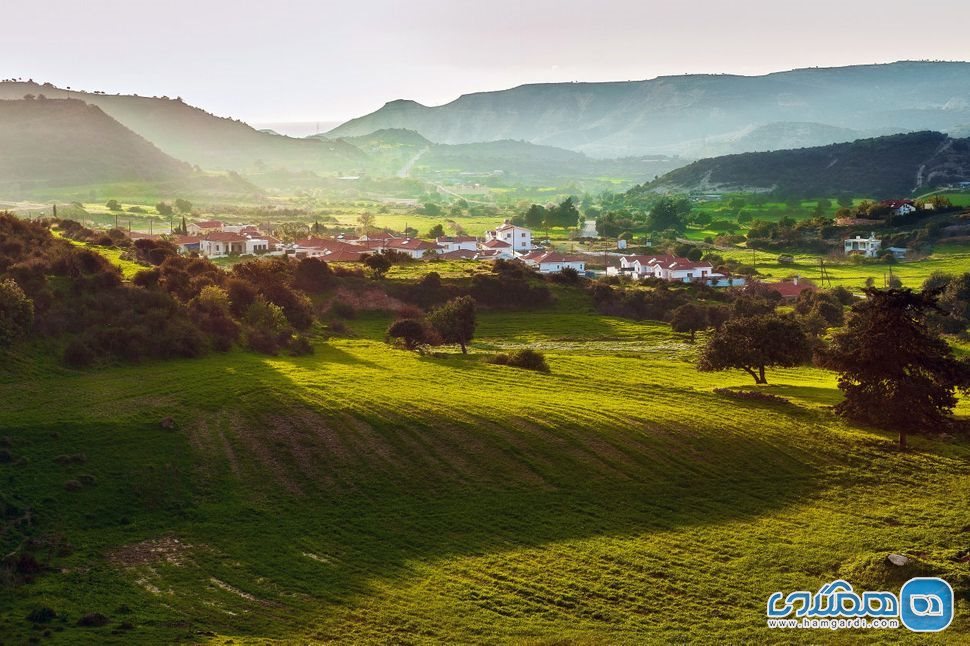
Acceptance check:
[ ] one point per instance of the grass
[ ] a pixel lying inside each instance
(365, 494)
(949, 258)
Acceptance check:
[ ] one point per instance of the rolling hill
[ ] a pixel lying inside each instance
(195, 136)
(406, 152)
(68, 142)
(696, 115)
(889, 166)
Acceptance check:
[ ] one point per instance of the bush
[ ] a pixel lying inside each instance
(16, 312)
(93, 620)
(41, 615)
(73, 485)
(343, 309)
(411, 333)
(78, 354)
(300, 346)
(526, 359)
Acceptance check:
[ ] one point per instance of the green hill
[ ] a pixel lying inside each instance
(373, 495)
(695, 115)
(195, 136)
(67, 142)
(890, 166)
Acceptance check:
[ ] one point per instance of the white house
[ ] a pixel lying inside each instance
(219, 244)
(447, 244)
(496, 248)
(518, 238)
(201, 228)
(868, 247)
(900, 207)
(411, 246)
(552, 262)
(682, 270)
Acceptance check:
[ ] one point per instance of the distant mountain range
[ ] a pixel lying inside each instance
(697, 115)
(195, 136)
(883, 167)
(68, 142)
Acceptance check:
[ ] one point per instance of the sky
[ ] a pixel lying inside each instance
(304, 60)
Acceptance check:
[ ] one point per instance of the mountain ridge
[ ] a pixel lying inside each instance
(662, 115)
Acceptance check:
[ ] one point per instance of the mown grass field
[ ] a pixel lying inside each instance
(365, 494)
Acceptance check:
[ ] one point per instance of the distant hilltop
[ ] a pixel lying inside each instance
(889, 166)
(698, 115)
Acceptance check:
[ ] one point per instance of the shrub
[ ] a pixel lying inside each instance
(16, 312)
(73, 485)
(300, 346)
(343, 309)
(78, 354)
(409, 332)
(41, 615)
(93, 620)
(526, 359)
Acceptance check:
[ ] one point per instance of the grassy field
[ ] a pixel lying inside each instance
(372, 495)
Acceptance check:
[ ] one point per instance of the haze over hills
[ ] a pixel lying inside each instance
(408, 152)
(195, 136)
(697, 115)
(48, 142)
(891, 166)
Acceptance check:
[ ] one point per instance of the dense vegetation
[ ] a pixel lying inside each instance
(885, 167)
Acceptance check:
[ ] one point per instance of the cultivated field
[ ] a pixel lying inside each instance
(374, 495)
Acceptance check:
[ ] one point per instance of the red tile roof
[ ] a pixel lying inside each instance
(458, 254)
(412, 244)
(497, 244)
(788, 289)
(224, 236)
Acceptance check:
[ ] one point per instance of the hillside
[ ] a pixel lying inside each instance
(195, 136)
(406, 152)
(67, 142)
(881, 167)
(676, 115)
(370, 495)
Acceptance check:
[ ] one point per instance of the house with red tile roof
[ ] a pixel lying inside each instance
(553, 262)
(206, 226)
(453, 243)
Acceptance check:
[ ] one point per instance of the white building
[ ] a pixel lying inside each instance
(219, 244)
(682, 270)
(868, 247)
(518, 238)
(552, 262)
(447, 244)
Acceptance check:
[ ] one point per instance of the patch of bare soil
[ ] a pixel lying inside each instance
(166, 549)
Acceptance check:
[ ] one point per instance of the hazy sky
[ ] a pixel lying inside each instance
(300, 60)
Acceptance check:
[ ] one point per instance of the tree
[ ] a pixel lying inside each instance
(411, 333)
(688, 319)
(312, 275)
(455, 321)
(164, 208)
(535, 216)
(183, 206)
(753, 343)
(365, 222)
(669, 213)
(894, 372)
(16, 312)
(113, 205)
(378, 263)
(436, 231)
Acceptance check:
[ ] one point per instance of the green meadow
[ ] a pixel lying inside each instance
(368, 494)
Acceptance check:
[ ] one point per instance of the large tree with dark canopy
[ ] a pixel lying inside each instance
(455, 321)
(753, 343)
(895, 373)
